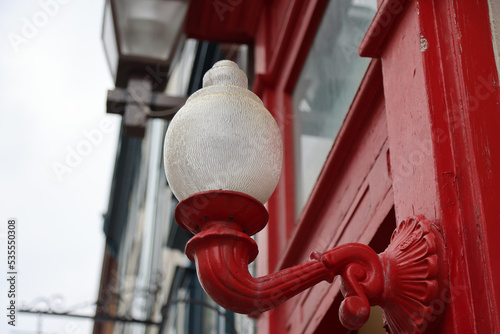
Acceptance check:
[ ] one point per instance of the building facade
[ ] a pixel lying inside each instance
(408, 128)
(147, 283)
(387, 109)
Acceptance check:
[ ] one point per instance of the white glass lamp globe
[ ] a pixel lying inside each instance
(223, 138)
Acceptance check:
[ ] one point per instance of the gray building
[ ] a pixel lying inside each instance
(146, 279)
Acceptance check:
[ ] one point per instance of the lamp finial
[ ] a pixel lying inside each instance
(225, 72)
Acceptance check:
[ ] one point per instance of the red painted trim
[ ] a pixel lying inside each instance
(304, 35)
(277, 99)
(473, 114)
(316, 310)
(223, 21)
(384, 21)
(355, 189)
(282, 203)
(287, 54)
(284, 38)
(442, 118)
(369, 92)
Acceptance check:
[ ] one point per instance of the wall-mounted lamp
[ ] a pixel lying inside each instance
(223, 156)
(141, 41)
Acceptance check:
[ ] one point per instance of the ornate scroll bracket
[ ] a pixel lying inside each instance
(415, 273)
(405, 280)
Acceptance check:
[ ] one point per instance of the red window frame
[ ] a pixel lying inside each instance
(433, 62)
(353, 190)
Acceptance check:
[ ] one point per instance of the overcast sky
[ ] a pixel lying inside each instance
(53, 83)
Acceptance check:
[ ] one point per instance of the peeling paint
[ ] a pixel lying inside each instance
(423, 44)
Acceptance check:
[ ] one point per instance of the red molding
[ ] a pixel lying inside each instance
(387, 15)
(442, 124)
(370, 90)
(471, 93)
(223, 21)
(282, 208)
(286, 55)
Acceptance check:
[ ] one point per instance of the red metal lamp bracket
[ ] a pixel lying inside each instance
(404, 280)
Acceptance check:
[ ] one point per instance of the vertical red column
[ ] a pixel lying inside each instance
(441, 93)
(272, 239)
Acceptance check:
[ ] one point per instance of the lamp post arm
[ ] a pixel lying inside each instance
(408, 280)
(222, 256)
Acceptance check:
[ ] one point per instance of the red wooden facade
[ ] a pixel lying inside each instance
(421, 137)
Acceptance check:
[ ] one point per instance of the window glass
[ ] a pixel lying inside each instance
(326, 87)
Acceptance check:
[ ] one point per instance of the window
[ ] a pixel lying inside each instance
(326, 87)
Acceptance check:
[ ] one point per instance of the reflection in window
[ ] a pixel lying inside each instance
(326, 87)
